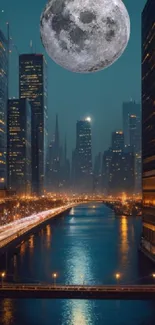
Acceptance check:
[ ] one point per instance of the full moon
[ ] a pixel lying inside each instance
(85, 35)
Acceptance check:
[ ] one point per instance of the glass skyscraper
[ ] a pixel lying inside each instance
(33, 85)
(117, 141)
(129, 108)
(3, 108)
(148, 128)
(84, 155)
(19, 146)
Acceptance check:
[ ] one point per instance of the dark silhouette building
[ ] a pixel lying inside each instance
(33, 85)
(3, 108)
(64, 169)
(121, 173)
(19, 146)
(148, 128)
(129, 108)
(118, 171)
(106, 165)
(118, 141)
(83, 156)
(97, 173)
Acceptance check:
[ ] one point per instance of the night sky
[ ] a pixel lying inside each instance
(74, 96)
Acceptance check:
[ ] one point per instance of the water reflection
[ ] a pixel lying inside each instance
(79, 265)
(80, 313)
(31, 244)
(22, 248)
(124, 235)
(7, 311)
(88, 246)
(72, 212)
(48, 236)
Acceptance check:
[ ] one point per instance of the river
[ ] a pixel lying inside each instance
(88, 246)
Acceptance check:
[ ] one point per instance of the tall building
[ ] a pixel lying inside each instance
(129, 108)
(135, 133)
(19, 146)
(83, 155)
(49, 165)
(65, 169)
(106, 165)
(117, 141)
(97, 173)
(56, 155)
(3, 108)
(121, 173)
(33, 85)
(148, 129)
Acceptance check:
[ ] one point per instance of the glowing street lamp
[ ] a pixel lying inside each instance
(117, 276)
(54, 277)
(153, 275)
(2, 277)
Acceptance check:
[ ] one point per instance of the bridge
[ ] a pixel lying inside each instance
(105, 292)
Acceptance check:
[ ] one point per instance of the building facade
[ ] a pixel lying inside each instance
(129, 108)
(117, 141)
(19, 146)
(83, 156)
(121, 173)
(33, 85)
(3, 108)
(106, 165)
(148, 128)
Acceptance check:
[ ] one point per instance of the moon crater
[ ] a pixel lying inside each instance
(85, 36)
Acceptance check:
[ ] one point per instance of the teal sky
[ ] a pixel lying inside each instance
(74, 96)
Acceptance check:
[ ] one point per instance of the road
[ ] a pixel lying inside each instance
(48, 291)
(17, 228)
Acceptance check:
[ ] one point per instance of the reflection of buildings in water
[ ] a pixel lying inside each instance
(22, 248)
(31, 251)
(15, 268)
(48, 236)
(15, 261)
(7, 312)
(124, 247)
(31, 244)
(72, 212)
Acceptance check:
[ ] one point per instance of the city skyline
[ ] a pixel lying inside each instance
(80, 95)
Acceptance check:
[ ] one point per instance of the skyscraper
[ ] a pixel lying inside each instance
(129, 108)
(135, 133)
(19, 146)
(148, 128)
(33, 85)
(121, 173)
(117, 141)
(106, 163)
(83, 155)
(97, 173)
(65, 168)
(3, 108)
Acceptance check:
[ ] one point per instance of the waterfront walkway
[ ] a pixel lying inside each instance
(48, 291)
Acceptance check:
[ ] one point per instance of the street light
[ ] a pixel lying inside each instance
(2, 277)
(153, 275)
(54, 277)
(117, 276)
